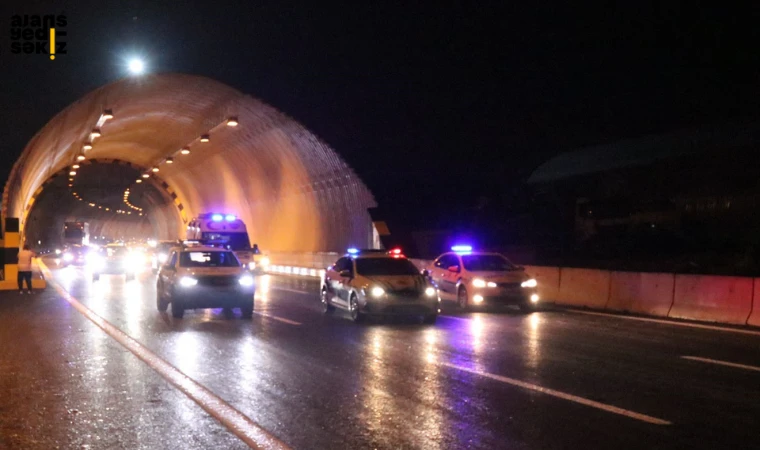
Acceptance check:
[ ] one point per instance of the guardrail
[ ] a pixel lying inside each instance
(709, 298)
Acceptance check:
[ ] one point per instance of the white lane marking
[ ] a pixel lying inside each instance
(722, 363)
(667, 322)
(238, 423)
(293, 290)
(564, 396)
(281, 319)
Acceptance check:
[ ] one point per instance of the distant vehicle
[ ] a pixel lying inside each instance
(475, 279)
(113, 260)
(378, 283)
(76, 233)
(199, 277)
(225, 231)
(75, 255)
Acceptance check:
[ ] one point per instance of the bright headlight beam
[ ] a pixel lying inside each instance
(477, 282)
(529, 284)
(377, 291)
(136, 66)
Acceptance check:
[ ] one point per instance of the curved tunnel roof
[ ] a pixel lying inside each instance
(293, 191)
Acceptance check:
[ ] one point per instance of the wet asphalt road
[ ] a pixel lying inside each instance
(318, 381)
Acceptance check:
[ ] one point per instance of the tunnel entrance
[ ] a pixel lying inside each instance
(215, 150)
(108, 196)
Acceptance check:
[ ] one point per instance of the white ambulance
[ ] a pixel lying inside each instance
(222, 230)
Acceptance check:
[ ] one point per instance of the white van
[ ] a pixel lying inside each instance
(222, 230)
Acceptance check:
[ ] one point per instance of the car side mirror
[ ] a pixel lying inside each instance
(454, 269)
(346, 274)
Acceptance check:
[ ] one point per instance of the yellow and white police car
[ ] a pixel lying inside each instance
(475, 279)
(377, 282)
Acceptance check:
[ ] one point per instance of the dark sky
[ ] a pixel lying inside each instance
(450, 100)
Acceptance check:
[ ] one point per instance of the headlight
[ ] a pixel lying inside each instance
(477, 282)
(68, 257)
(162, 257)
(246, 280)
(187, 282)
(58, 251)
(529, 284)
(377, 291)
(264, 261)
(430, 292)
(251, 265)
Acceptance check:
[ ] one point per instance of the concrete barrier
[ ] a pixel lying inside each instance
(712, 298)
(548, 281)
(584, 287)
(754, 317)
(641, 293)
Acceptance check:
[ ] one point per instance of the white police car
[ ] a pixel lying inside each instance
(377, 282)
(474, 279)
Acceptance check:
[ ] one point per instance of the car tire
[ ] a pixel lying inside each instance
(247, 310)
(353, 308)
(463, 299)
(95, 277)
(327, 307)
(430, 319)
(161, 304)
(178, 311)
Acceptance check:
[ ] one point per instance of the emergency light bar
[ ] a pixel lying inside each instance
(216, 217)
(352, 251)
(461, 248)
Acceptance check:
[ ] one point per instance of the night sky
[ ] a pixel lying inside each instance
(451, 101)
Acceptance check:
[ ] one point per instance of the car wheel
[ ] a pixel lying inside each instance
(161, 304)
(326, 305)
(356, 315)
(247, 310)
(178, 311)
(463, 300)
(95, 277)
(430, 319)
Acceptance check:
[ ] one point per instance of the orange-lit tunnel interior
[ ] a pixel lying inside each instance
(195, 146)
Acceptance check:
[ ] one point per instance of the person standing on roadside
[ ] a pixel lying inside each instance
(25, 269)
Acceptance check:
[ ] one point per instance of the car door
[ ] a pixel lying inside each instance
(168, 274)
(437, 271)
(449, 278)
(334, 281)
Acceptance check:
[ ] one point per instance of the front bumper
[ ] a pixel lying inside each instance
(114, 270)
(401, 306)
(500, 296)
(213, 297)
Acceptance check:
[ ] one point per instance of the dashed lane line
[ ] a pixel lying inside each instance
(563, 395)
(273, 317)
(238, 423)
(722, 363)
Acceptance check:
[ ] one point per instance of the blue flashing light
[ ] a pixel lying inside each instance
(230, 218)
(461, 248)
(353, 251)
(216, 217)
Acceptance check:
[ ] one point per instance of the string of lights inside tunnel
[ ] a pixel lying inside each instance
(96, 133)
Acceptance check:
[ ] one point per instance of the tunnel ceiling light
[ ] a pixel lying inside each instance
(155, 169)
(72, 173)
(100, 207)
(75, 166)
(87, 146)
(107, 209)
(70, 185)
(81, 157)
(185, 151)
(95, 133)
(169, 160)
(205, 138)
(232, 122)
(138, 181)
(107, 114)
(146, 175)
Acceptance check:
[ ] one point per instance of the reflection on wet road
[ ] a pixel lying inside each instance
(474, 380)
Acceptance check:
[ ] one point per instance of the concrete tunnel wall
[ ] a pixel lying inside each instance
(293, 191)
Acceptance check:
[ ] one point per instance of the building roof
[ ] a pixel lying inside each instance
(645, 150)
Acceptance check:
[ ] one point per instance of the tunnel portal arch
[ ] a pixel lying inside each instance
(215, 149)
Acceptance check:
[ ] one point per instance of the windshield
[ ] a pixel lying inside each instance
(385, 266)
(487, 263)
(208, 259)
(231, 241)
